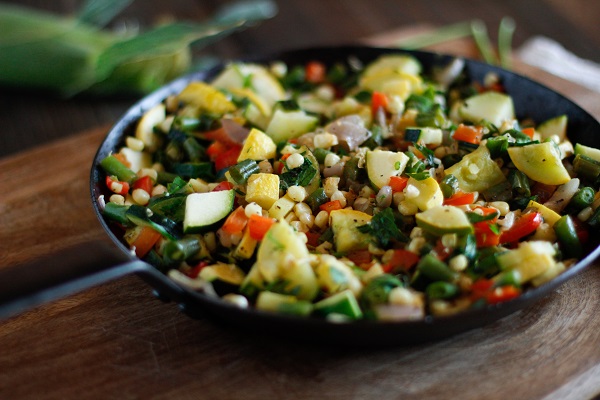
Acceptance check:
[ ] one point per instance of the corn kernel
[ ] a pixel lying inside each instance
(140, 196)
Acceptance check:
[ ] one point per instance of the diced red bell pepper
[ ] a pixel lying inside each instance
(144, 183)
(401, 260)
(116, 186)
(523, 226)
(312, 238)
(227, 158)
(360, 257)
(195, 270)
(145, 240)
(331, 206)
(468, 133)
(225, 185)
(235, 222)
(314, 72)
(378, 100)
(529, 132)
(259, 225)
(460, 199)
(398, 183)
(502, 294)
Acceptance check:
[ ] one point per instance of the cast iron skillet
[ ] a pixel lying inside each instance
(95, 263)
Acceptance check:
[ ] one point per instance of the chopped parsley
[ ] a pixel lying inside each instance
(383, 228)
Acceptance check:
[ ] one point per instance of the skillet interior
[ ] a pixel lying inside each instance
(531, 100)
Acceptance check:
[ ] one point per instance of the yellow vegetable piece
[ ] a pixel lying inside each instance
(246, 246)
(541, 162)
(258, 146)
(424, 194)
(531, 259)
(550, 216)
(281, 207)
(206, 97)
(229, 273)
(334, 276)
(145, 128)
(346, 236)
(264, 107)
(263, 189)
(477, 171)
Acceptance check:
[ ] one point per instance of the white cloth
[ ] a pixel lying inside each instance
(546, 54)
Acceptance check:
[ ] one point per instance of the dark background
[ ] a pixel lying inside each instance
(30, 118)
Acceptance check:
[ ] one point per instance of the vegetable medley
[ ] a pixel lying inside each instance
(353, 191)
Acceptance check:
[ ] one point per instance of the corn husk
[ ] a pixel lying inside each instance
(72, 55)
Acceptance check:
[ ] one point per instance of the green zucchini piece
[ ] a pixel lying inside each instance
(554, 126)
(490, 106)
(477, 171)
(444, 219)
(205, 210)
(344, 303)
(286, 125)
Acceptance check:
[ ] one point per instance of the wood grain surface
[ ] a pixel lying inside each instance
(117, 342)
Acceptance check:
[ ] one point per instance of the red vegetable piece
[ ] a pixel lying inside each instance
(525, 225)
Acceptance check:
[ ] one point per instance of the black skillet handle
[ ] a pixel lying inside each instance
(70, 271)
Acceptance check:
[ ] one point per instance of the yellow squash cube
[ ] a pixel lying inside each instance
(258, 146)
(263, 189)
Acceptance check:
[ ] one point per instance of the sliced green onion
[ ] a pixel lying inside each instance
(505, 34)
(482, 40)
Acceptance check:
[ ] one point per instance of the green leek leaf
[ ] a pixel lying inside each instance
(100, 12)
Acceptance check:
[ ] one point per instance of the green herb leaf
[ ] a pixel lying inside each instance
(474, 218)
(300, 176)
(383, 228)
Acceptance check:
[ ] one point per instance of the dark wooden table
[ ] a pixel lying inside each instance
(117, 341)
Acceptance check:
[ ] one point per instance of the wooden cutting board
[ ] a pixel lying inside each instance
(117, 341)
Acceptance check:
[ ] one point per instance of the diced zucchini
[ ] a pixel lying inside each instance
(257, 146)
(284, 304)
(395, 75)
(346, 236)
(283, 257)
(281, 207)
(556, 126)
(587, 151)
(424, 135)
(245, 248)
(429, 193)
(228, 273)
(206, 97)
(531, 259)
(444, 219)
(204, 210)
(477, 171)
(252, 76)
(286, 125)
(490, 106)
(540, 162)
(145, 127)
(343, 303)
(383, 164)
(136, 159)
(263, 189)
(335, 276)
(393, 63)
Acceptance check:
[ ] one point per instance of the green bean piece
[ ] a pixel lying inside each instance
(449, 185)
(519, 182)
(194, 150)
(497, 145)
(586, 167)
(316, 199)
(243, 170)
(582, 199)
(112, 166)
(301, 308)
(351, 172)
(567, 237)
(181, 250)
(378, 289)
(442, 290)
(116, 213)
(320, 154)
(435, 269)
